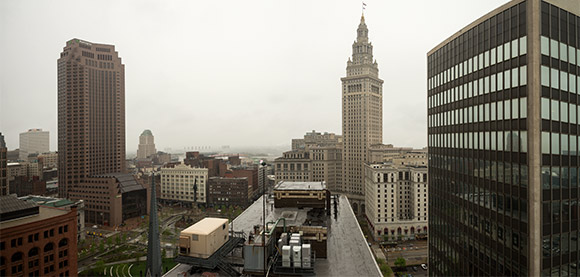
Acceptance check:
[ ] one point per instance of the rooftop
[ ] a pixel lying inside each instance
(390, 165)
(206, 225)
(126, 181)
(347, 249)
(47, 201)
(147, 133)
(15, 212)
(10, 204)
(285, 185)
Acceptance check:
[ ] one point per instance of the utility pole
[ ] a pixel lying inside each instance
(263, 164)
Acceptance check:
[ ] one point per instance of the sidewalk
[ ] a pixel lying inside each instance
(141, 259)
(378, 252)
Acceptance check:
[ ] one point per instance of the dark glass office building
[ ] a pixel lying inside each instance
(503, 116)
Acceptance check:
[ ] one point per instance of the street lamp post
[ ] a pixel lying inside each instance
(263, 164)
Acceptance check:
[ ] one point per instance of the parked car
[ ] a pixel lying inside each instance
(415, 268)
(424, 266)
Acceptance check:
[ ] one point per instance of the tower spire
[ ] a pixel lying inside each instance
(362, 31)
(153, 244)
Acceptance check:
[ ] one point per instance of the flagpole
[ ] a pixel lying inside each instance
(363, 7)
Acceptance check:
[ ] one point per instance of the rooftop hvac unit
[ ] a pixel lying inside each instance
(286, 253)
(306, 252)
(294, 242)
(296, 255)
(286, 263)
(284, 238)
(297, 264)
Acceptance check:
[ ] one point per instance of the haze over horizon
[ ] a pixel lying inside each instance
(238, 73)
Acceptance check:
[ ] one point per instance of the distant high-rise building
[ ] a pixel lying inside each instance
(91, 113)
(4, 190)
(146, 145)
(362, 114)
(503, 129)
(33, 141)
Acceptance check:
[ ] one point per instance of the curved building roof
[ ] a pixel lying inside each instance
(147, 132)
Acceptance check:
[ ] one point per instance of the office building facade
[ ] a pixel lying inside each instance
(228, 191)
(362, 114)
(184, 183)
(91, 112)
(146, 145)
(4, 189)
(396, 201)
(317, 158)
(110, 199)
(33, 141)
(503, 143)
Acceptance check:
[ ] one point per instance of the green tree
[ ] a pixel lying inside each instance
(386, 270)
(99, 267)
(102, 247)
(400, 262)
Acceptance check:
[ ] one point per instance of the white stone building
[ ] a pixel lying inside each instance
(33, 141)
(177, 183)
(146, 145)
(396, 199)
(48, 160)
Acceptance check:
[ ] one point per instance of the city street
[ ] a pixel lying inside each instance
(414, 252)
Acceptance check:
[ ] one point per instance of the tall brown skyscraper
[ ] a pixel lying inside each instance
(91, 112)
(362, 113)
(3, 171)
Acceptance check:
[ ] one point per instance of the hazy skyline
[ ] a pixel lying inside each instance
(239, 73)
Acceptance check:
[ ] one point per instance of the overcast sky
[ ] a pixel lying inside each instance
(239, 73)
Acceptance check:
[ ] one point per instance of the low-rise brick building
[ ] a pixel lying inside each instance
(36, 241)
